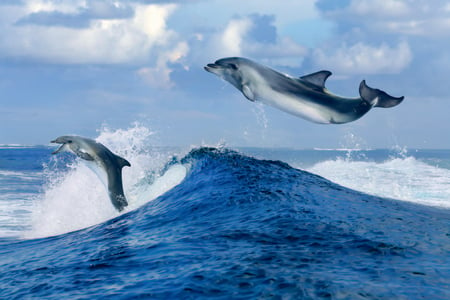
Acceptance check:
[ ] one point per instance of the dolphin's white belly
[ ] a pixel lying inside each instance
(293, 105)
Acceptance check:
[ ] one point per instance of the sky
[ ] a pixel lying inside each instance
(77, 66)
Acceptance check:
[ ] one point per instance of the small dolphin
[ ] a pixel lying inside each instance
(305, 97)
(112, 164)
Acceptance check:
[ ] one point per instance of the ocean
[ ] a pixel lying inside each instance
(217, 222)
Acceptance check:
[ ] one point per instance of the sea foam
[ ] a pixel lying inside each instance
(75, 197)
(403, 178)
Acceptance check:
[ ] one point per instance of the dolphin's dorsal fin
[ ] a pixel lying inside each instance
(317, 78)
(122, 162)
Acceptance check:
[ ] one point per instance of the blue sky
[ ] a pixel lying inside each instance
(74, 66)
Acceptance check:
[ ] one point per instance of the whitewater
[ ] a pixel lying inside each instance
(226, 223)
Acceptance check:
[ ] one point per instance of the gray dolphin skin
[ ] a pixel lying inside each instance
(305, 97)
(112, 164)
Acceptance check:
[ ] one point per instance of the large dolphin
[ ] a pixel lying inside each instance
(112, 164)
(305, 97)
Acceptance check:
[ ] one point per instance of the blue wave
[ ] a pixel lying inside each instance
(242, 228)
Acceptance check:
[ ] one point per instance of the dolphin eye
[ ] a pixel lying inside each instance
(233, 66)
(69, 141)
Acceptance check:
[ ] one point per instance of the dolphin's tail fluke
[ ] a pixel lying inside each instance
(376, 97)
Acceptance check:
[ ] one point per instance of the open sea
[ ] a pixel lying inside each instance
(226, 223)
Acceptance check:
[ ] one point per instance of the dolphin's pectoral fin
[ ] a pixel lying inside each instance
(83, 155)
(248, 93)
(317, 78)
(376, 97)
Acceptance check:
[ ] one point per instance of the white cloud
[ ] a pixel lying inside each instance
(143, 38)
(385, 8)
(439, 26)
(365, 59)
(406, 17)
(285, 52)
(287, 11)
(64, 6)
(232, 38)
(236, 40)
(105, 41)
(159, 75)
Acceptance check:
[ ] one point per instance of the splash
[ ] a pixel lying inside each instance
(260, 114)
(402, 177)
(75, 197)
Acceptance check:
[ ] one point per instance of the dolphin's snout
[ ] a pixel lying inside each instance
(58, 141)
(211, 67)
